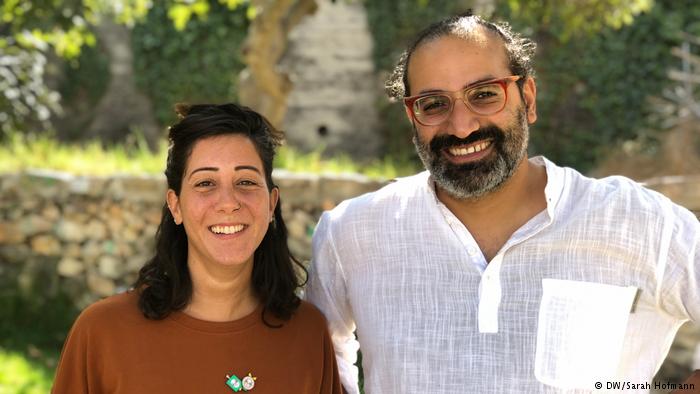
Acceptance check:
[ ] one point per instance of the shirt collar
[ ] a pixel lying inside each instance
(552, 192)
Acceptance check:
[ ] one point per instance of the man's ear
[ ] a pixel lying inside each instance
(530, 97)
(408, 114)
(174, 205)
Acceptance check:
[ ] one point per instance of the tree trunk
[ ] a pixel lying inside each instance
(263, 86)
(122, 109)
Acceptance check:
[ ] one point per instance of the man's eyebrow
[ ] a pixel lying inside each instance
(467, 85)
(237, 168)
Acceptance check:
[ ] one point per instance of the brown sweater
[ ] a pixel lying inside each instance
(113, 348)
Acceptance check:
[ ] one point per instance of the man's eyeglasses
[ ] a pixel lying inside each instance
(484, 98)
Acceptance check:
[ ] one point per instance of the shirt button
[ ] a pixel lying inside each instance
(471, 250)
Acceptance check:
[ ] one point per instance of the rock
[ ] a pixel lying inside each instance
(91, 251)
(110, 267)
(51, 212)
(30, 204)
(135, 262)
(92, 209)
(296, 188)
(17, 253)
(70, 267)
(153, 217)
(129, 235)
(341, 187)
(35, 224)
(46, 245)
(10, 234)
(69, 230)
(296, 227)
(138, 188)
(96, 230)
(72, 250)
(103, 287)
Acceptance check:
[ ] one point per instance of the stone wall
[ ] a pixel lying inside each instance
(333, 102)
(88, 236)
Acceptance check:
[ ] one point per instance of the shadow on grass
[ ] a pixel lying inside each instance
(33, 327)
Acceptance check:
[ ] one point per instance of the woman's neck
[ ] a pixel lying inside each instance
(220, 296)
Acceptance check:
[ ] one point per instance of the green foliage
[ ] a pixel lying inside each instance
(83, 83)
(197, 64)
(594, 90)
(565, 19)
(25, 100)
(29, 30)
(394, 22)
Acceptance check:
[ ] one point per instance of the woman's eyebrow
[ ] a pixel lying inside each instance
(253, 168)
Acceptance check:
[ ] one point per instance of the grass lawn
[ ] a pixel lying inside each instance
(22, 374)
(19, 152)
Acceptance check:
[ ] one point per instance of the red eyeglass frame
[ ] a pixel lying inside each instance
(459, 95)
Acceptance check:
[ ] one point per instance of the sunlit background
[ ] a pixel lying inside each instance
(87, 87)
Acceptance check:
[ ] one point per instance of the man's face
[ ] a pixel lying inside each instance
(470, 155)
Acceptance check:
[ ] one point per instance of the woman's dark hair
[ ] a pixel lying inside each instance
(164, 282)
(520, 50)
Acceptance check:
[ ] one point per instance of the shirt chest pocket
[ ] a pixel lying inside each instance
(580, 332)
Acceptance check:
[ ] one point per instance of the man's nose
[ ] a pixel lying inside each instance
(462, 120)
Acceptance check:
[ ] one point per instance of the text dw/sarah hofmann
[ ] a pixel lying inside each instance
(648, 386)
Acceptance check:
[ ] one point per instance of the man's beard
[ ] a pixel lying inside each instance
(476, 179)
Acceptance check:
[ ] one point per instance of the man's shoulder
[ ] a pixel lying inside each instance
(614, 192)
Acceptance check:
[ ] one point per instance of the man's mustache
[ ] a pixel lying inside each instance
(440, 142)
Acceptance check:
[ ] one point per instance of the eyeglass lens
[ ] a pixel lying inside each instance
(483, 100)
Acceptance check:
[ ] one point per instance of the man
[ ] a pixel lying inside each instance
(491, 272)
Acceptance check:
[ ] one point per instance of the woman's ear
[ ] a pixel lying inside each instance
(174, 205)
(274, 199)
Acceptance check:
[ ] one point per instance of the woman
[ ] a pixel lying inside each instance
(215, 310)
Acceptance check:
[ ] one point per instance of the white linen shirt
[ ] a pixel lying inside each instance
(592, 289)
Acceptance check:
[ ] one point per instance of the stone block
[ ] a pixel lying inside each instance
(110, 267)
(11, 233)
(103, 287)
(296, 188)
(35, 224)
(70, 267)
(68, 229)
(342, 187)
(45, 245)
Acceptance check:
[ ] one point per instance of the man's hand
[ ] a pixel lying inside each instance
(693, 379)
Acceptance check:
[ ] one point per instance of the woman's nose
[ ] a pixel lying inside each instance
(228, 201)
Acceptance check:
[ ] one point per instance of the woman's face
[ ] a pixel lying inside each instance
(224, 202)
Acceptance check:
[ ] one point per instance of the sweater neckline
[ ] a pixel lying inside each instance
(243, 323)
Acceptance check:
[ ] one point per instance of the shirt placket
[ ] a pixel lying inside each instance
(490, 290)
